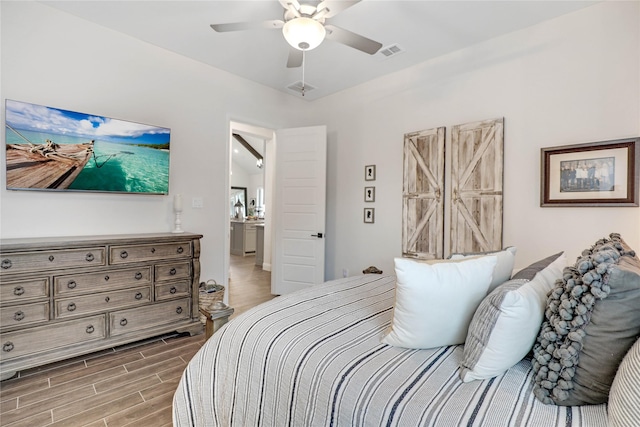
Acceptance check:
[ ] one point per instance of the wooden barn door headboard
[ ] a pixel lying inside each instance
(423, 194)
(475, 205)
(476, 186)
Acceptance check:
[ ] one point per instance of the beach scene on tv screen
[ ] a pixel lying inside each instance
(53, 149)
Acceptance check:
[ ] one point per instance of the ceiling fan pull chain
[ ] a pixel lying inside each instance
(303, 55)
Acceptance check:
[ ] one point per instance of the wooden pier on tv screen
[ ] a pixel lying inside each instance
(45, 166)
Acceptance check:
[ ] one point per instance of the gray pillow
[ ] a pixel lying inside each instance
(530, 272)
(592, 319)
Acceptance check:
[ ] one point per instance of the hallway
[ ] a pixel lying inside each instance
(249, 285)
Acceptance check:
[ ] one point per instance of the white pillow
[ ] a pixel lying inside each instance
(624, 395)
(504, 265)
(506, 324)
(435, 302)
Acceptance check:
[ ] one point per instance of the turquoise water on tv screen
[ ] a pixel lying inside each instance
(114, 166)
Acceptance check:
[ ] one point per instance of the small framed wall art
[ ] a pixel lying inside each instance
(604, 173)
(369, 194)
(369, 215)
(370, 173)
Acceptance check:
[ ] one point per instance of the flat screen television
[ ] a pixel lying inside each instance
(51, 149)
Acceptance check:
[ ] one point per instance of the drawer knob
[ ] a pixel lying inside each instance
(51, 258)
(8, 346)
(18, 316)
(106, 278)
(107, 299)
(90, 329)
(6, 264)
(173, 290)
(138, 295)
(172, 272)
(71, 306)
(123, 322)
(18, 290)
(71, 284)
(179, 310)
(180, 249)
(89, 257)
(124, 254)
(138, 275)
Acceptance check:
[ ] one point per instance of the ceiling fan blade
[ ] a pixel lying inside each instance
(295, 58)
(241, 26)
(353, 40)
(335, 7)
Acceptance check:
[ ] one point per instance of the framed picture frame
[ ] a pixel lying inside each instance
(369, 194)
(370, 173)
(604, 173)
(369, 215)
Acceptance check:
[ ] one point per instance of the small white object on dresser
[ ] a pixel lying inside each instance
(62, 297)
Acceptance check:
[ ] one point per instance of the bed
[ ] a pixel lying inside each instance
(314, 358)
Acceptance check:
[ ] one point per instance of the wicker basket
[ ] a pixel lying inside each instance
(205, 299)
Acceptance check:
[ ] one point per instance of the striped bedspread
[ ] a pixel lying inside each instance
(314, 358)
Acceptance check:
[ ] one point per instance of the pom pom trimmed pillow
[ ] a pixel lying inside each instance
(592, 319)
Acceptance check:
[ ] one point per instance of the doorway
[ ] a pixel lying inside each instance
(249, 168)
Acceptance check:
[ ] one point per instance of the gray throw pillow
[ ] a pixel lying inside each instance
(530, 272)
(592, 319)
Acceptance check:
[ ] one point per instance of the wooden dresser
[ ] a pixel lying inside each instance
(62, 297)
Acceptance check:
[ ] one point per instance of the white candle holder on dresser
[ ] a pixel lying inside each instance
(177, 209)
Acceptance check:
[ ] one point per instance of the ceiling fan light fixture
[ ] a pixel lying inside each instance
(304, 33)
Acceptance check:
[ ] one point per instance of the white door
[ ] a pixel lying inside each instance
(299, 209)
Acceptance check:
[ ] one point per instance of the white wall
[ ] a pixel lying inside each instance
(239, 178)
(53, 58)
(571, 80)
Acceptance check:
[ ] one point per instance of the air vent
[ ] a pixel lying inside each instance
(297, 87)
(389, 51)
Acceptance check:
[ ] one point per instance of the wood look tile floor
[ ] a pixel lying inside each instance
(124, 386)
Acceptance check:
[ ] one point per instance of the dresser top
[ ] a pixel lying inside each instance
(68, 241)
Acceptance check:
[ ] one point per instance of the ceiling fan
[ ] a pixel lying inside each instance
(304, 27)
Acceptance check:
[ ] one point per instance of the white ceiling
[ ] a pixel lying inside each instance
(424, 29)
(243, 158)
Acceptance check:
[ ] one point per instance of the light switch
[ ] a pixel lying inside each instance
(196, 203)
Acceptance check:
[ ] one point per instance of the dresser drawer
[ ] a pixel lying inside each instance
(102, 301)
(175, 270)
(127, 254)
(21, 290)
(24, 314)
(44, 338)
(172, 290)
(126, 321)
(14, 262)
(92, 282)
